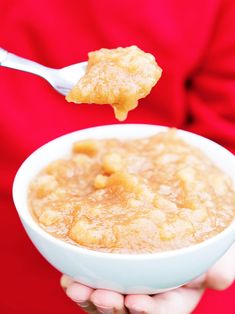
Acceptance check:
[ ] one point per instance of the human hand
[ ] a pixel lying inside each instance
(182, 300)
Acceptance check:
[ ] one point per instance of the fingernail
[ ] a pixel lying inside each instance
(87, 306)
(82, 304)
(105, 310)
(137, 312)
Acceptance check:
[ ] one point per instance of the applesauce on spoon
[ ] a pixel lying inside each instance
(133, 196)
(119, 77)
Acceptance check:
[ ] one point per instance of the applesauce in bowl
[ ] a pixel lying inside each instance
(144, 273)
(158, 193)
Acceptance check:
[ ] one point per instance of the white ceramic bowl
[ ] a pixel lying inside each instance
(125, 273)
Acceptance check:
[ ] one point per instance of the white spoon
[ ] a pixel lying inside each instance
(61, 79)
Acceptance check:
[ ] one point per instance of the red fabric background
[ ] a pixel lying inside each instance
(193, 41)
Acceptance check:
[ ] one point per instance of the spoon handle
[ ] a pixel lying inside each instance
(12, 61)
(3, 55)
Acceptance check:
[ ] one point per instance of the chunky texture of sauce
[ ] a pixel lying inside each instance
(144, 195)
(119, 77)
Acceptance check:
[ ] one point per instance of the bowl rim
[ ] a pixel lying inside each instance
(122, 256)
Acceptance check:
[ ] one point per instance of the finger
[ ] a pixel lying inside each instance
(66, 281)
(80, 294)
(108, 302)
(179, 301)
(222, 274)
(199, 282)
